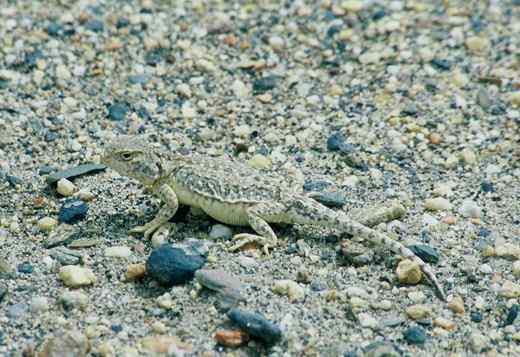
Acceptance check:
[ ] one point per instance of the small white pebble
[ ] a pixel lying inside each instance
(65, 187)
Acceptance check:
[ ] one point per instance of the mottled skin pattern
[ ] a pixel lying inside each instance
(235, 194)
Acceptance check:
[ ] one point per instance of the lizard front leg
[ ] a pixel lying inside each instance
(257, 217)
(170, 205)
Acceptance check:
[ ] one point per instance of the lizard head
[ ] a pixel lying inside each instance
(134, 157)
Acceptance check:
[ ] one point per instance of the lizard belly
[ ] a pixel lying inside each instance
(228, 213)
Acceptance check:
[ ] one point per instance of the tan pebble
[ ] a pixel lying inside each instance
(260, 161)
(468, 156)
(444, 323)
(435, 138)
(508, 251)
(457, 304)
(85, 195)
(437, 204)
(408, 272)
(516, 268)
(106, 350)
(47, 224)
(352, 5)
(515, 99)
(265, 97)
(70, 343)
(449, 220)
(39, 201)
(159, 327)
(335, 90)
(65, 187)
(419, 311)
(509, 290)
(477, 44)
(164, 344)
(488, 251)
(331, 295)
(76, 276)
(231, 338)
(135, 271)
(290, 288)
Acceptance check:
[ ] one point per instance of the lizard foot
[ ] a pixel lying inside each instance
(247, 238)
(148, 229)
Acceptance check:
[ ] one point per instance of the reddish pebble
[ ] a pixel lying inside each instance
(231, 338)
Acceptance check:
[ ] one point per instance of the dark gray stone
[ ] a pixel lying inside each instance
(255, 325)
(172, 266)
(72, 210)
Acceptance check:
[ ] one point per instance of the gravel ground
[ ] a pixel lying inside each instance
(372, 101)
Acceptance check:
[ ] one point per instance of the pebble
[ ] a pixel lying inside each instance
(379, 349)
(509, 290)
(469, 208)
(264, 84)
(171, 266)
(231, 338)
(408, 272)
(516, 268)
(75, 276)
(294, 291)
(221, 282)
(330, 199)
(72, 211)
(507, 251)
(25, 268)
(164, 344)
(259, 161)
(425, 252)
(85, 195)
(73, 299)
(66, 343)
(367, 321)
(511, 315)
(165, 301)
(477, 44)
(419, 311)
(3, 293)
(118, 252)
(276, 42)
(515, 99)
(39, 304)
(73, 172)
(255, 325)
(476, 316)
(478, 341)
(468, 156)
(66, 256)
(65, 187)
(17, 311)
(456, 304)
(437, 204)
(444, 323)
(415, 335)
(135, 271)
(417, 297)
(47, 224)
(118, 111)
(220, 232)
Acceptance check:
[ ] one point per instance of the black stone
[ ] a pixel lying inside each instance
(476, 316)
(425, 252)
(172, 266)
(511, 315)
(95, 25)
(255, 325)
(336, 142)
(72, 210)
(415, 335)
(25, 268)
(54, 29)
(378, 15)
(264, 84)
(441, 64)
(117, 111)
(487, 187)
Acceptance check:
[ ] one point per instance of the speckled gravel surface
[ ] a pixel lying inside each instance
(372, 101)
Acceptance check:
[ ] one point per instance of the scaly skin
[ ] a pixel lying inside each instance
(235, 194)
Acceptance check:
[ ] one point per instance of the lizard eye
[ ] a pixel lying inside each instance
(126, 156)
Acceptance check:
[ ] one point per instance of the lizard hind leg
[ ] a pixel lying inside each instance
(258, 217)
(305, 210)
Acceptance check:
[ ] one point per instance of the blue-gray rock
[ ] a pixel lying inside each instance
(72, 211)
(172, 266)
(511, 315)
(117, 111)
(95, 25)
(25, 268)
(138, 78)
(54, 29)
(17, 311)
(486, 187)
(442, 64)
(3, 293)
(415, 335)
(264, 84)
(122, 22)
(476, 316)
(74, 172)
(425, 252)
(330, 199)
(318, 185)
(255, 325)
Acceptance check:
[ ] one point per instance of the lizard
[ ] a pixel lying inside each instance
(236, 194)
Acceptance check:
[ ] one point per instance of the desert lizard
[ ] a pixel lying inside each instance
(233, 193)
